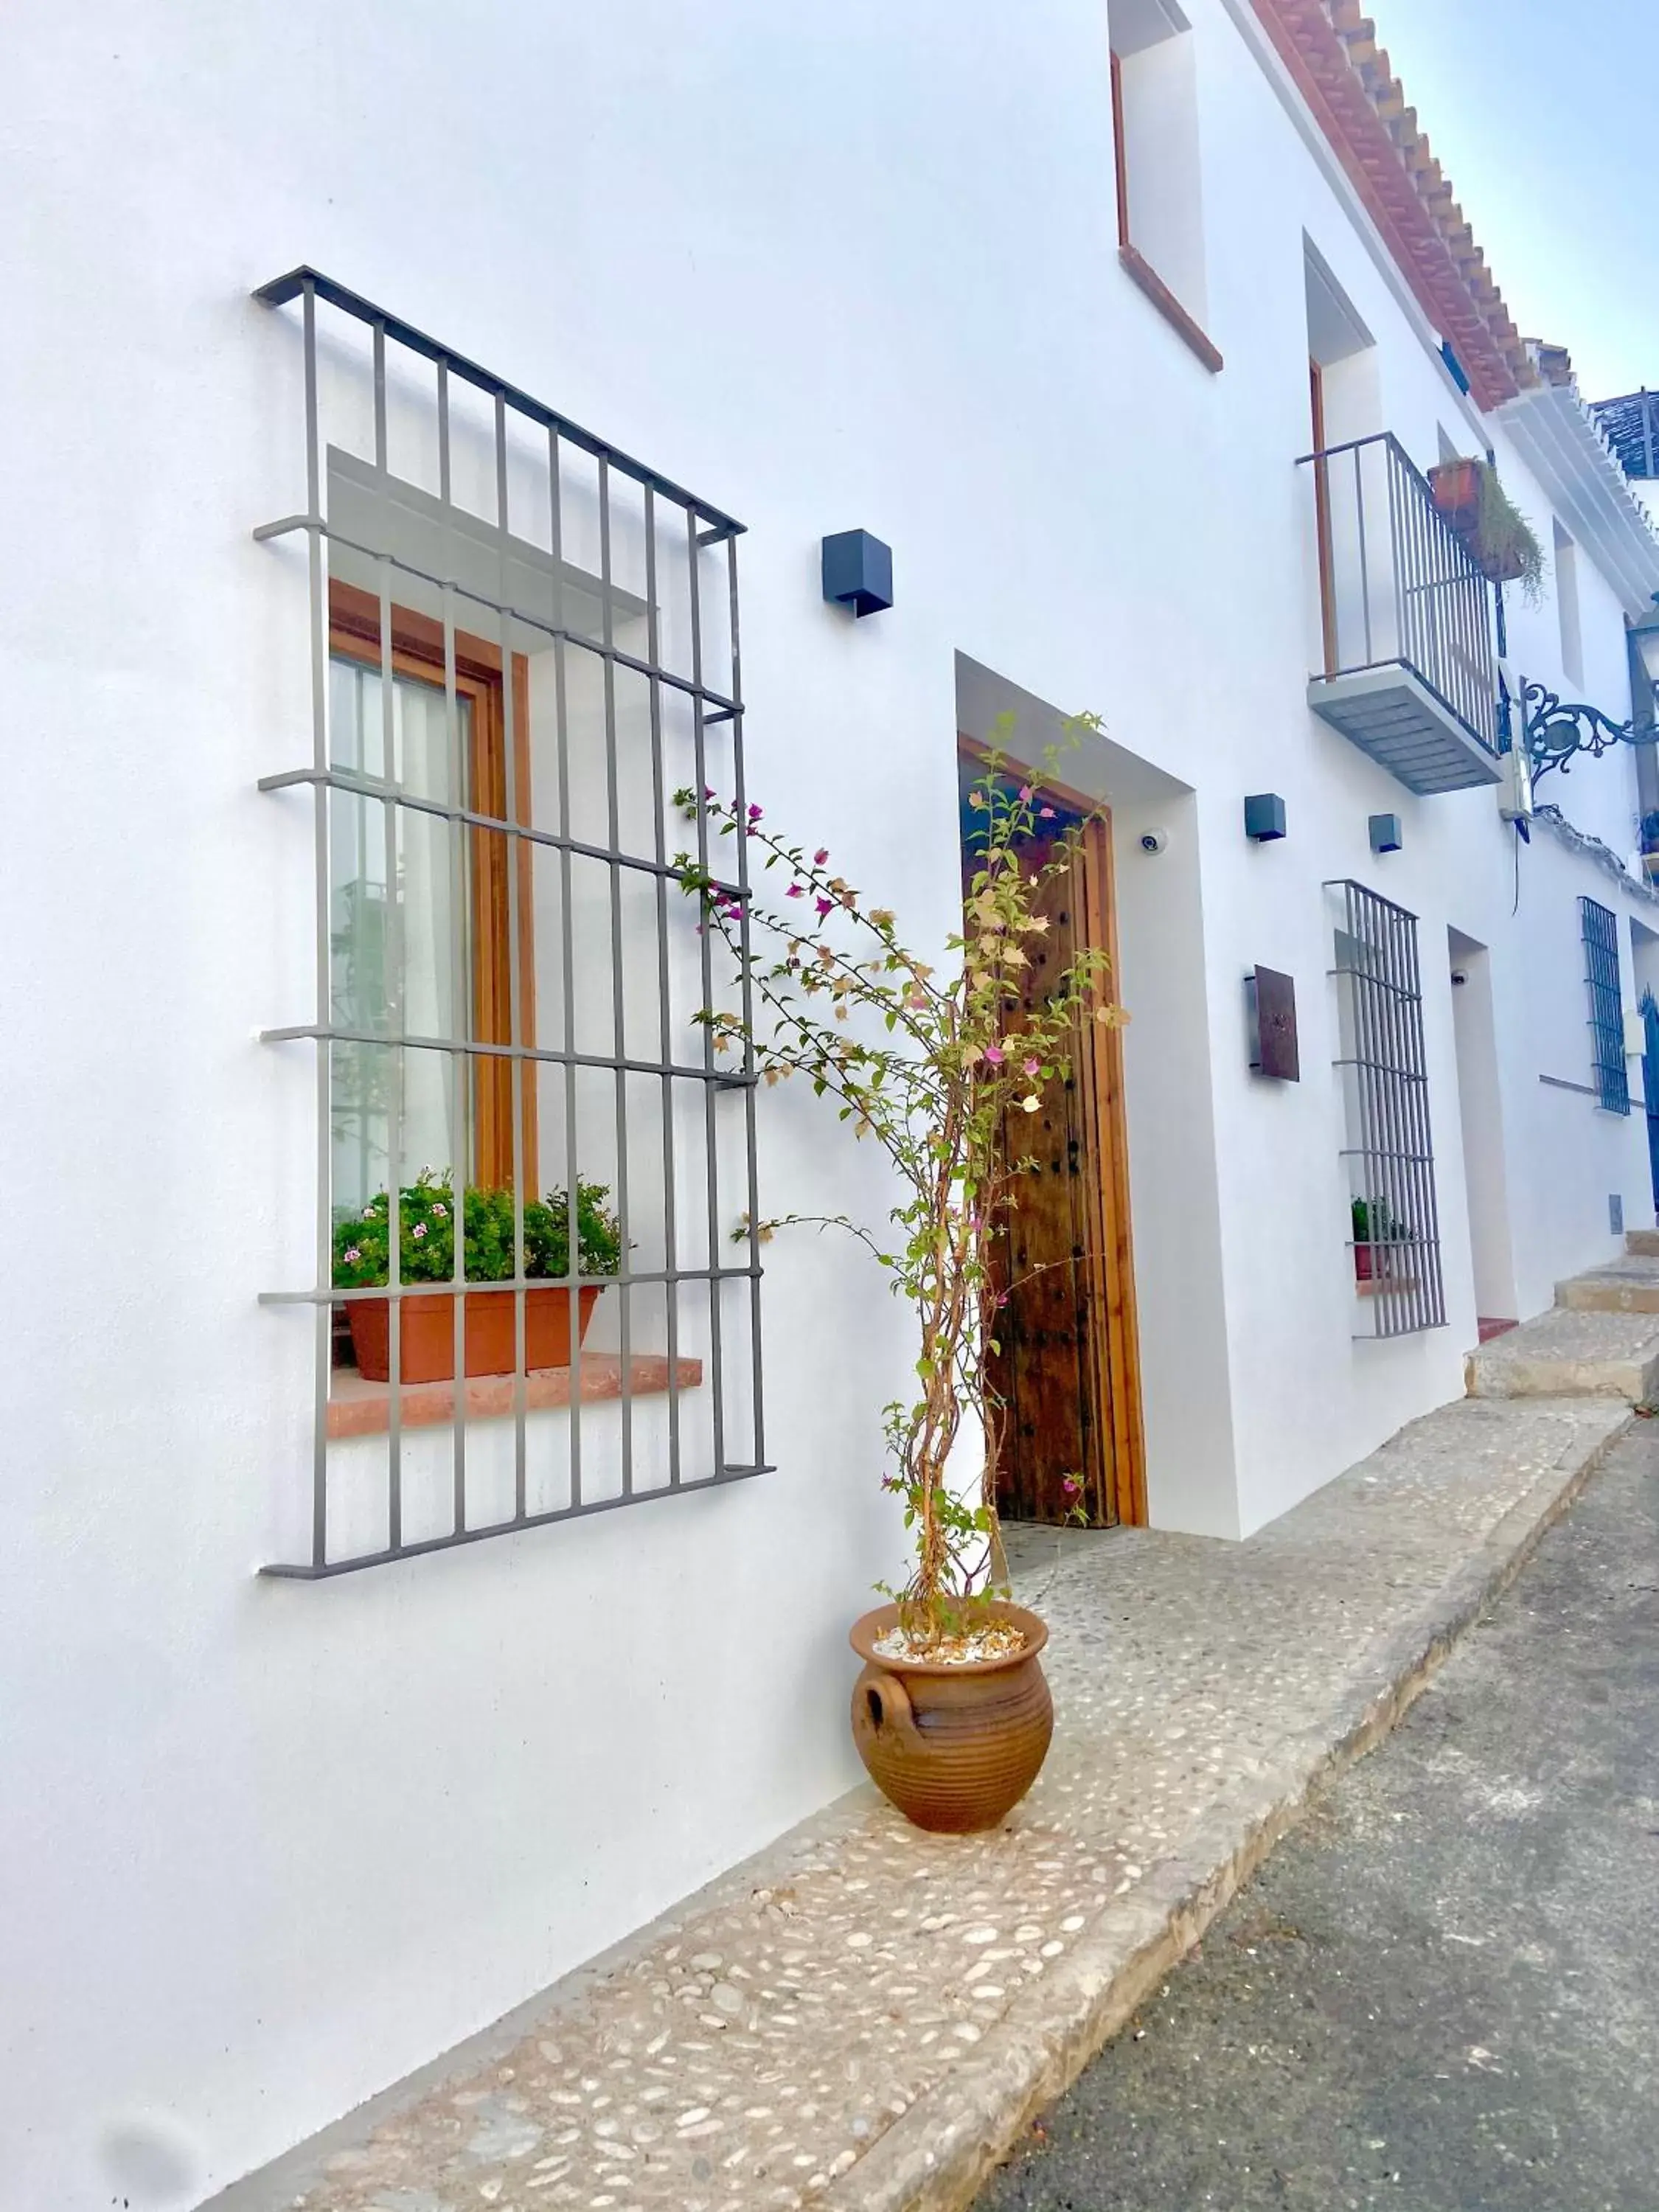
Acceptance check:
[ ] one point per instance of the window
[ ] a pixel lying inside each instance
(457, 950)
(1394, 1217)
(1566, 604)
(523, 643)
(1160, 216)
(1607, 1016)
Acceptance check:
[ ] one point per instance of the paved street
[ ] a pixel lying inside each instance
(1442, 1992)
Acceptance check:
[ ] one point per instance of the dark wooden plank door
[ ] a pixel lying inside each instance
(1064, 1362)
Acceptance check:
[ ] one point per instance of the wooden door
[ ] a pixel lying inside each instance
(1066, 1360)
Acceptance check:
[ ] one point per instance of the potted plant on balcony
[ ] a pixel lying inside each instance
(952, 1714)
(1647, 834)
(426, 1254)
(1497, 536)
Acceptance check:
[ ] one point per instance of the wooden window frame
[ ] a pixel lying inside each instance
(1134, 261)
(1119, 155)
(499, 866)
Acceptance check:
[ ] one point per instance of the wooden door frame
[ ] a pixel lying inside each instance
(1322, 516)
(1114, 1351)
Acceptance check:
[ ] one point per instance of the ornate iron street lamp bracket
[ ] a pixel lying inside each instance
(1557, 731)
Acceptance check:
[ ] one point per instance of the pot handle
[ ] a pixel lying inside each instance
(888, 1704)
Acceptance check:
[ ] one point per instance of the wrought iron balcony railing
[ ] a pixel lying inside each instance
(1405, 615)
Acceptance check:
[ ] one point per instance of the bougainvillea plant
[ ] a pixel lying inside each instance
(940, 1066)
(425, 1238)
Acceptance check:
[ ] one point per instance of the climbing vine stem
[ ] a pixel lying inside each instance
(940, 1066)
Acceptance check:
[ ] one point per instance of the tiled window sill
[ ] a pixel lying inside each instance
(1169, 307)
(357, 1408)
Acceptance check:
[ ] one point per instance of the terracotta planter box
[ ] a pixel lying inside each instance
(429, 1333)
(1497, 568)
(1456, 488)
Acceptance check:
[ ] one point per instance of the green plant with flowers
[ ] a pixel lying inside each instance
(426, 1235)
(940, 1068)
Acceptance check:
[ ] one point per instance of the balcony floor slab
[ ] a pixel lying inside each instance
(1392, 715)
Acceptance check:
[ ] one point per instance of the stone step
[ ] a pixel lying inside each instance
(1642, 1243)
(1629, 1285)
(1568, 1353)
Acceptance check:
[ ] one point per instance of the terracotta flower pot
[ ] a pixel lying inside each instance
(1456, 488)
(1364, 1259)
(428, 1349)
(954, 1748)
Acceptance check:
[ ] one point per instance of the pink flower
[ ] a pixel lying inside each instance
(820, 856)
(824, 906)
(351, 1256)
(1045, 814)
(994, 1054)
(709, 791)
(440, 1211)
(1070, 1484)
(796, 891)
(1031, 1066)
(419, 1230)
(754, 814)
(1025, 794)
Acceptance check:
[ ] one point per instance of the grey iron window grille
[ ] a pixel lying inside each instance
(1606, 1017)
(605, 598)
(1390, 1150)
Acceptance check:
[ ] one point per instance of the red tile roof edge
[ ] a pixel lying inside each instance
(1330, 49)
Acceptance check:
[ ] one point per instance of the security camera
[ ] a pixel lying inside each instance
(1154, 841)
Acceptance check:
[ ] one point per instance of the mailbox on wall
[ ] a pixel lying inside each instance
(1272, 999)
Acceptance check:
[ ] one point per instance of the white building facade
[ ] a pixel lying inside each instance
(1031, 296)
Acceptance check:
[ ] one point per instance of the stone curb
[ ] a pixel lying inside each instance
(935, 2157)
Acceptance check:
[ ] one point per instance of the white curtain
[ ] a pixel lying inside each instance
(382, 1091)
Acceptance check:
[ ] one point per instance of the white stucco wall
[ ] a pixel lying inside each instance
(274, 1845)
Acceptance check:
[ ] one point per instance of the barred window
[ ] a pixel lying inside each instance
(1394, 1211)
(1607, 1016)
(529, 1303)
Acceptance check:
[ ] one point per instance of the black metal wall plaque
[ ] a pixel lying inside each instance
(1272, 1025)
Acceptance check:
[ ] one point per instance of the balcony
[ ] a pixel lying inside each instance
(1406, 621)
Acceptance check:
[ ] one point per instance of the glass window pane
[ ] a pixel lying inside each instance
(393, 958)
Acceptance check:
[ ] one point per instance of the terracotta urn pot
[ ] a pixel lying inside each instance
(955, 1747)
(428, 1349)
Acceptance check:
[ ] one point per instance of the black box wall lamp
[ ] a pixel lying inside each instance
(1264, 817)
(858, 571)
(1385, 833)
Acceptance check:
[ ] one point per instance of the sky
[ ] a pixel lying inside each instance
(1545, 115)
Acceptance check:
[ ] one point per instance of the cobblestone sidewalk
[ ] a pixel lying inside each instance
(864, 2017)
